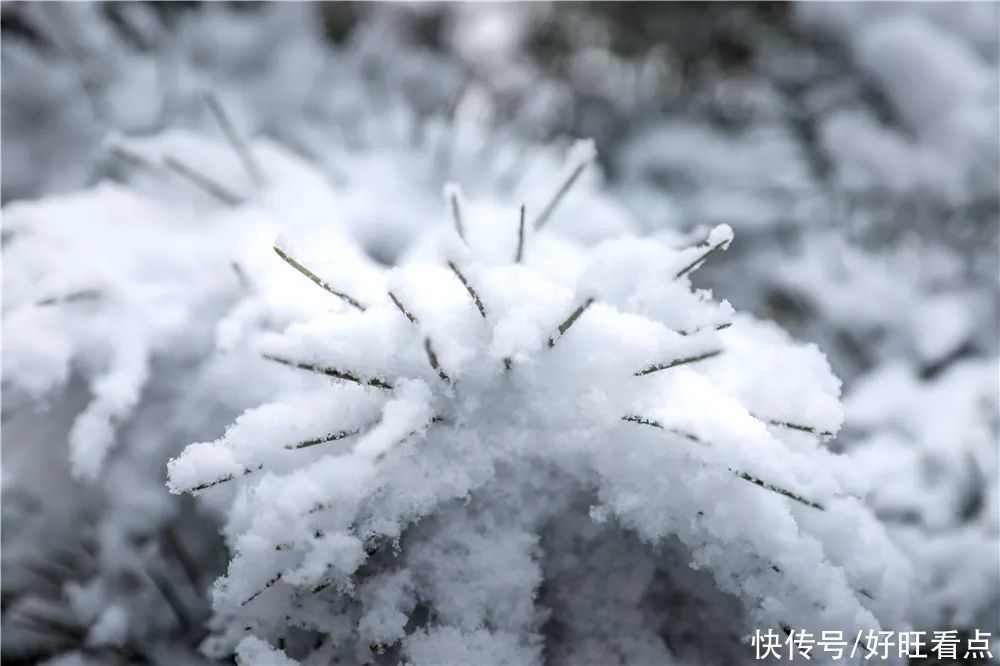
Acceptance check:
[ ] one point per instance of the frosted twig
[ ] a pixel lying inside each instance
(681, 361)
(697, 262)
(550, 207)
(318, 280)
(565, 326)
(520, 238)
(329, 372)
(205, 183)
(468, 287)
(239, 144)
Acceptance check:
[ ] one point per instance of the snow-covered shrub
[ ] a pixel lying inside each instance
(508, 451)
(117, 298)
(111, 302)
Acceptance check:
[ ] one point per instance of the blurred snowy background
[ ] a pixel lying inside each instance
(151, 153)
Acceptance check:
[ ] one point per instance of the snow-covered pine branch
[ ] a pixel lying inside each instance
(499, 443)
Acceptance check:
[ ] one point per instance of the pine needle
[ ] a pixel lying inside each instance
(330, 372)
(697, 262)
(456, 214)
(719, 327)
(270, 583)
(433, 359)
(550, 207)
(520, 238)
(428, 347)
(135, 159)
(402, 309)
(316, 279)
(740, 474)
(239, 144)
(203, 182)
(221, 480)
(565, 326)
(803, 428)
(642, 421)
(468, 287)
(72, 297)
(329, 437)
(776, 489)
(681, 361)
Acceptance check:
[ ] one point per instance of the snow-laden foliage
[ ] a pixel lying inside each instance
(117, 301)
(497, 451)
(935, 68)
(865, 190)
(929, 447)
(73, 72)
